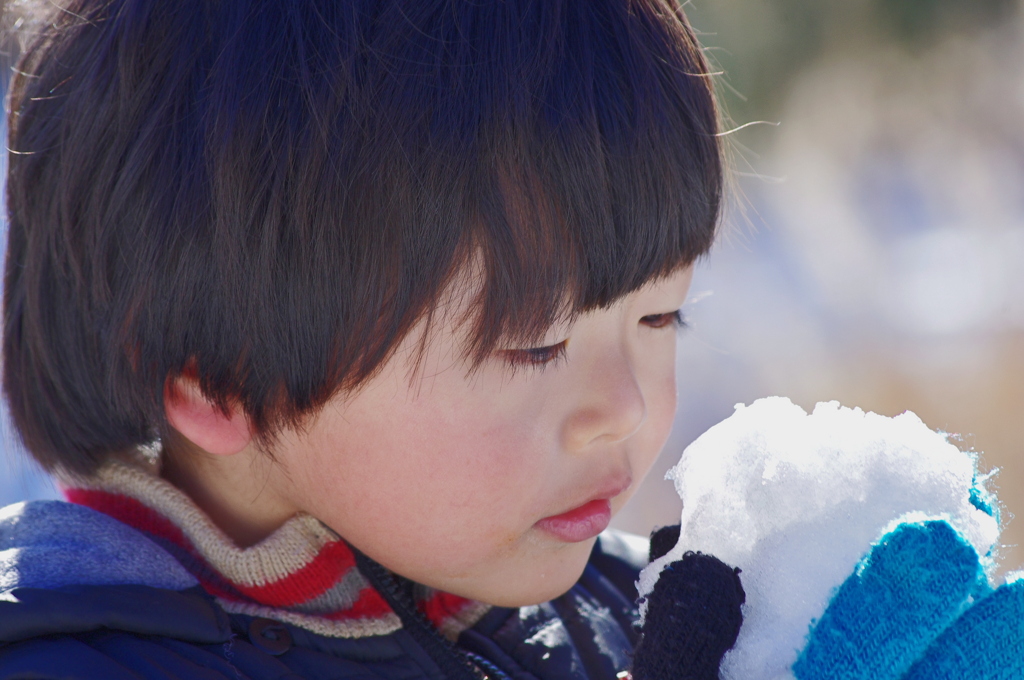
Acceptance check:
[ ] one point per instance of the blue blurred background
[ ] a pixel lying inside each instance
(874, 243)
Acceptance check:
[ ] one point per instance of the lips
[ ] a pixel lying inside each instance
(579, 524)
(591, 517)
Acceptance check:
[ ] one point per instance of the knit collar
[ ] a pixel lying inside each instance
(303, 574)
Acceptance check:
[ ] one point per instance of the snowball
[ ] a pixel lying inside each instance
(796, 500)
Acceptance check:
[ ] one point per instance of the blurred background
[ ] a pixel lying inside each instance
(874, 242)
(874, 246)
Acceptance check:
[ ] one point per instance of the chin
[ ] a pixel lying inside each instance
(543, 580)
(527, 595)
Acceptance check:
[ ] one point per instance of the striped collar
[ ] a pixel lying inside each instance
(303, 574)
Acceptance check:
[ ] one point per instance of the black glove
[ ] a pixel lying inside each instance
(693, 616)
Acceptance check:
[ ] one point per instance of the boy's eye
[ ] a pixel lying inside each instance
(675, 319)
(535, 356)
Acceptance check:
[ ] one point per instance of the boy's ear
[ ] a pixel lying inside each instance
(201, 422)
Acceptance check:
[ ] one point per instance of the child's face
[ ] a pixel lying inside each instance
(463, 481)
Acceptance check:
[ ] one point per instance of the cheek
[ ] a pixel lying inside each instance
(663, 410)
(470, 455)
(661, 398)
(425, 486)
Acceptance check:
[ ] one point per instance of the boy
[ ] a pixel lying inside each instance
(348, 326)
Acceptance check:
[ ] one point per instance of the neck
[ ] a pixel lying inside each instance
(234, 491)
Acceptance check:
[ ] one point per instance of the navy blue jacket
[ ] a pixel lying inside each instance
(84, 596)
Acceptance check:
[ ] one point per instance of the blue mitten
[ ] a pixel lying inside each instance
(987, 641)
(920, 604)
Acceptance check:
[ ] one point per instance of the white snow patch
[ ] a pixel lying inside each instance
(796, 500)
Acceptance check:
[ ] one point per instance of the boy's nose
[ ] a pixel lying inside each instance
(611, 407)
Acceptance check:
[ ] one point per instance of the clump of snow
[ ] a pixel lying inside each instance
(796, 500)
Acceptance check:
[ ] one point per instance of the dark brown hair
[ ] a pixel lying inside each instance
(270, 193)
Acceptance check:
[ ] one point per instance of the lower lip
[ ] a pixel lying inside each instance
(579, 524)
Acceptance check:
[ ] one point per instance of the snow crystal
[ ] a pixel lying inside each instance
(796, 500)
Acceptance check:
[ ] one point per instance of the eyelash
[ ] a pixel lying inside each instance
(542, 357)
(675, 319)
(535, 357)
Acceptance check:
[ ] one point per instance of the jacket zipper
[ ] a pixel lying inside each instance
(455, 663)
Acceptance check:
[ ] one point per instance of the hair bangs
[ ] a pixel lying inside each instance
(596, 173)
(571, 147)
